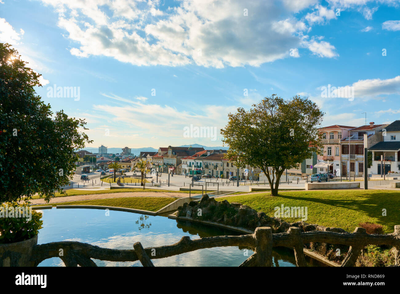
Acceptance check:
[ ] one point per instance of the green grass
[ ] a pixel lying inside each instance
(335, 208)
(143, 203)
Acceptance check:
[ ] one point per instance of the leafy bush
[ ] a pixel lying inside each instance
(375, 256)
(18, 222)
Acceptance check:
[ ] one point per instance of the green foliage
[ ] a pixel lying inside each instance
(375, 256)
(16, 229)
(36, 146)
(274, 135)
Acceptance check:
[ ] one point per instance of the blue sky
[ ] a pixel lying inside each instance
(147, 69)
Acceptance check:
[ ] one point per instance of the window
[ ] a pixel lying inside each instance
(339, 134)
(360, 167)
(393, 137)
(324, 136)
(352, 166)
(359, 149)
(336, 151)
(331, 135)
(329, 151)
(345, 149)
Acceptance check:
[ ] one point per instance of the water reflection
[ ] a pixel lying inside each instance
(120, 230)
(142, 222)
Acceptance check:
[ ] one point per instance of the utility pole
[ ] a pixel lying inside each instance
(349, 157)
(365, 162)
(237, 176)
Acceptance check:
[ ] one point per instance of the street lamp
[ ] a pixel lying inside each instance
(365, 162)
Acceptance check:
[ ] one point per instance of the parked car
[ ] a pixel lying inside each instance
(233, 178)
(207, 176)
(196, 178)
(103, 173)
(319, 178)
(331, 175)
(84, 177)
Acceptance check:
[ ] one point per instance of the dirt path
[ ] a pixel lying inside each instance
(106, 196)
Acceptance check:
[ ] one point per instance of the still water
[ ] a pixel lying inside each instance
(120, 230)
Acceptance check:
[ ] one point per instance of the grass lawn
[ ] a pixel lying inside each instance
(144, 203)
(340, 208)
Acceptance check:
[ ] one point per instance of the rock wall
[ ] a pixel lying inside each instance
(243, 216)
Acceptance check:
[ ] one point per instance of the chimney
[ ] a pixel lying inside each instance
(371, 124)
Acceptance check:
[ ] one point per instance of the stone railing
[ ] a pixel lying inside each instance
(261, 242)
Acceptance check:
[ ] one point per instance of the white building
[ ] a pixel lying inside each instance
(388, 150)
(102, 149)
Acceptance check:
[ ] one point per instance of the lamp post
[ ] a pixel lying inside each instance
(365, 161)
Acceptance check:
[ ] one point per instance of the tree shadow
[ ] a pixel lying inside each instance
(381, 205)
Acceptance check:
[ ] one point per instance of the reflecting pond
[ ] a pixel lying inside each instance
(120, 230)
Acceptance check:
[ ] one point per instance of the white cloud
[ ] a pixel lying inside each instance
(148, 118)
(390, 111)
(43, 81)
(8, 34)
(376, 87)
(367, 29)
(391, 25)
(367, 12)
(349, 119)
(321, 15)
(202, 32)
(298, 5)
(321, 49)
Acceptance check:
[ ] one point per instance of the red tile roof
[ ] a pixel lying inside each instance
(366, 127)
(337, 127)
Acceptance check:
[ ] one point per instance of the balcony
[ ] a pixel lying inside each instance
(330, 141)
(328, 157)
(387, 158)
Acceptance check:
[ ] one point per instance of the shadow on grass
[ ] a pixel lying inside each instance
(383, 206)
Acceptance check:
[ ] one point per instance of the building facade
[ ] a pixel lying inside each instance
(386, 153)
(102, 150)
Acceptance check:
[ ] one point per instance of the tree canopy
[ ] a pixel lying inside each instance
(36, 146)
(274, 135)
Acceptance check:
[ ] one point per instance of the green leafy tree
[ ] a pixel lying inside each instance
(274, 135)
(142, 165)
(115, 166)
(36, 146)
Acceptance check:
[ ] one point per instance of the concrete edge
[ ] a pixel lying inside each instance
(34, 207)
(103, 207)
(174, 205)
(320, 258)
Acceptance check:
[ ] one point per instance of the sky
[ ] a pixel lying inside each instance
(153, 73)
